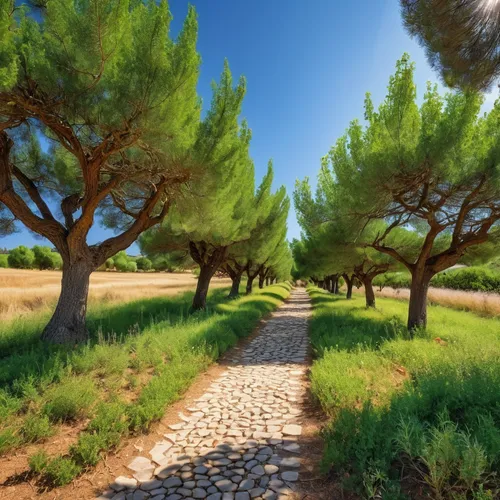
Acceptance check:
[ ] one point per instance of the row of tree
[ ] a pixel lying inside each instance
(414, 187)
(100, 119)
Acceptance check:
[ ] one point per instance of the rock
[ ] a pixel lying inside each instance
(258, 470)
(199, 493)
(124, 483)
(291, 462)
(172, 482)
(151, 485)
(226, 485)
(246, 484)
(290, 476)
(292, 430)
(139, 464)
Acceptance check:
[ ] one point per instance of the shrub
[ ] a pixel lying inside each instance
(61, 471)
(394, 280)
(480, 279)
(131, 267)
(36, 427)
(71, 399)
(144, 264)
(4, 260)
(38, 462)
(109, 264)
(45, 258)
(21, 257)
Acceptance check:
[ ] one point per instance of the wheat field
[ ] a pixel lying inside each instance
(23, 292)
(485, 304)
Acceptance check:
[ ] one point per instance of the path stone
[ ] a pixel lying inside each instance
(239, 439)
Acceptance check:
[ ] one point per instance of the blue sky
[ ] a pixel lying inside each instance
(308, 66)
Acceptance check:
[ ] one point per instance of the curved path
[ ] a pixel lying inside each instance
(240, 439)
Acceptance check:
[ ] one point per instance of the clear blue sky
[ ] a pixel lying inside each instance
(308, 66)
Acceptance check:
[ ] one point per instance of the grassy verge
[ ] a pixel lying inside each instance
(141, 357)
(408, 419)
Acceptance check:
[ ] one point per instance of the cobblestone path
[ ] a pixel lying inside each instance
(240, 440)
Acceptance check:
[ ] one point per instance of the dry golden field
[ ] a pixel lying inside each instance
(26, 291)
(485, 304)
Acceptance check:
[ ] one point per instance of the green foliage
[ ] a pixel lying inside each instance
(460, 39)
(144, 264)
(38, 462)
(45, 258)
(36, 427)
(61, 470)
(71, 399)
(21, 257)
(131, 267)
(109, 264)
(155, 336)
(428, 406)
(4, 260)
(479, 279)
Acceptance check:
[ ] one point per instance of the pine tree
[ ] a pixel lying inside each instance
(115, 100)
(255, 255)
(433, 169)
(461, 38)
(214, 213)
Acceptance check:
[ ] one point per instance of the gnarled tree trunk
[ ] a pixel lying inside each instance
(369, 293)
(67, 325)
(349, 281)
(417, 310)
(209, 261)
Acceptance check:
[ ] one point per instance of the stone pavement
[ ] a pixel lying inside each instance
(239, 441)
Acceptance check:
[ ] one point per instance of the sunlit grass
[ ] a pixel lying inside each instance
(376, 385)
(142, 355)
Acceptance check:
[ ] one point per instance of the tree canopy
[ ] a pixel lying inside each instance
(418, 183)
(461, 38)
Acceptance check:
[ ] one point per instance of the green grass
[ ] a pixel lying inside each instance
(141, 356)
(427, 409)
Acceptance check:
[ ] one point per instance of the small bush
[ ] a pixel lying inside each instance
(36, 427)
(21, 257)
(45, 258)
(4, 260)
(131, 267)
(72, 399)
(61, 471)
(479, 279)
(144, 264)
(38, 462)
(109, 264)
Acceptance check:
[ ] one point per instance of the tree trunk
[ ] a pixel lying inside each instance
(250, 284)
(417, 310)
(369, 293)
(321, 284)
(67, 324)
(349, 284)
(336, 286)
(235, 287)
(200, 296)
(267, 281)
(261, 281)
